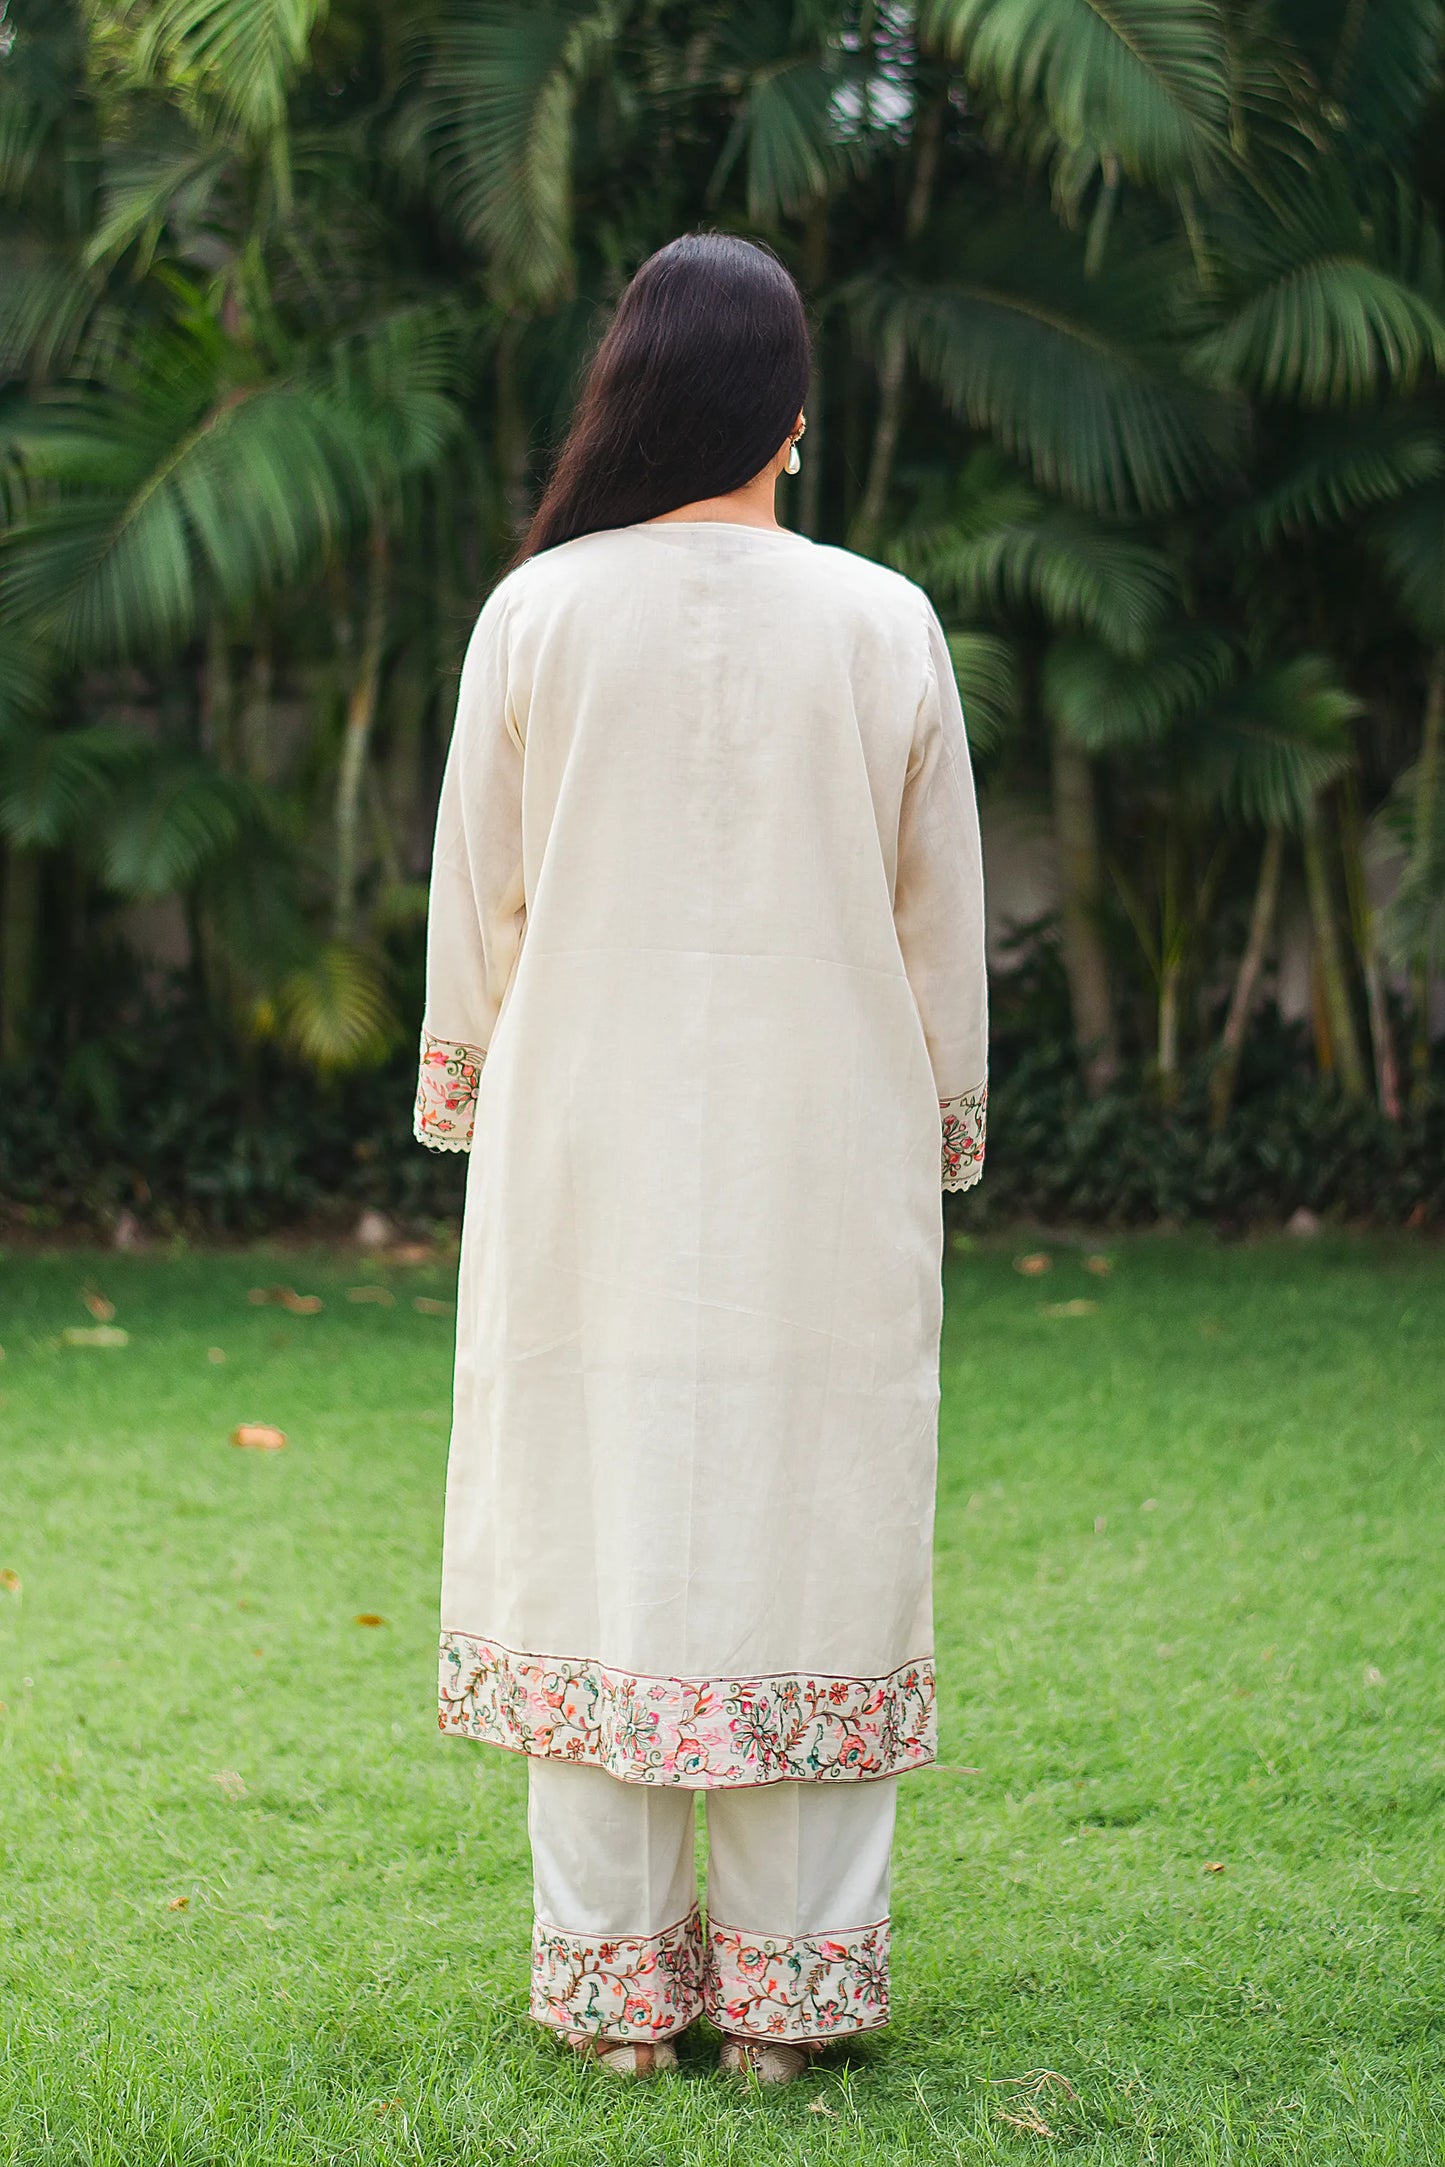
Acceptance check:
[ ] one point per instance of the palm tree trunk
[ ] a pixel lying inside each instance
(1103, 217)
(1427, 795)
(1225, 1073)
(1364, 924)
(1344, 1038)
(361, 706)
(17, 947)
(1172, 949)
(1168, 1043)
(892, 373)
(893, 361)
(815, 272)
(1076, 830)
(513, 441)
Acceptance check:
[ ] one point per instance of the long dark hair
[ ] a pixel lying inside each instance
(700, 376)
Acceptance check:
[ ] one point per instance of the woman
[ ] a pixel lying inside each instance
(705, 1001)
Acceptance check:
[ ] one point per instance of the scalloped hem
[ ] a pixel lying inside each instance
(448, 1074)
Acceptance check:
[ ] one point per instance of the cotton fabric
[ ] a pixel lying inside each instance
(796, 1940)
(706, 1003)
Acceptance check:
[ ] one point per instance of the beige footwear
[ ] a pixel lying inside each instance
(625, 2057)
(771, 2061)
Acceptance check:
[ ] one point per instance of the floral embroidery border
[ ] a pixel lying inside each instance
(446, 1093)
(701, 1733)
(626, 1986)
(811, 1987)
(965, 1123)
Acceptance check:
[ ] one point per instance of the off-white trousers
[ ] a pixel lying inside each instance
(796, 1941)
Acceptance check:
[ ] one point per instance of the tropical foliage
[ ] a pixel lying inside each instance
(1130, 335)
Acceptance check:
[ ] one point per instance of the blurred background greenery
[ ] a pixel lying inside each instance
(1130, 331)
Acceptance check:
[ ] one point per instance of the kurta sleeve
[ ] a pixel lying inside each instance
(477, 912)
(938, 912)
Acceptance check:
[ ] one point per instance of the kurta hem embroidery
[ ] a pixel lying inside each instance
(446, 1094)
(699, 1733)
(965, 1122)
(763, 1986)
(617, 1986)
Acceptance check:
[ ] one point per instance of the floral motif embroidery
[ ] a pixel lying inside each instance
(700, 1733)
(446, 1094)
(634, 1986)
(965, 1120)
(814, 1987)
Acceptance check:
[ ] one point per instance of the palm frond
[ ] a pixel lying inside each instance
(175, 818)
(985, 669)
(1111, 702)
(334, 1013)
(1344, 466)
(180, 491)
(1326, 303)
(54, 782)
(1145, 81)
(1074, 377)
(1376, 64)
(1413, 921)
(1409, 539)
(1275, 740)
(1003, 547)
(243, 55)
(489, 119)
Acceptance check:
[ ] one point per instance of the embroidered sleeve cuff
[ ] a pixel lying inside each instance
(964, 1122)
(446, 1094)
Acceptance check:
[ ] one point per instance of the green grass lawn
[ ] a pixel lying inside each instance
(1183, 1848)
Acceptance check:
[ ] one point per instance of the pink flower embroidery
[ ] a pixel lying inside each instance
(965, 1122)
(701, 1734)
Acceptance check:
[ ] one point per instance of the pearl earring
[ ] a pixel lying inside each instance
(794, 462)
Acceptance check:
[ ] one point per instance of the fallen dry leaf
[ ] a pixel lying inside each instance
(1099, 1266)
(258, 1437)
(412, 1253)
(95, 1335)
(302, 1305)
(382, 1296)
(215, 1354)
(1034, 2081)
(228, 1781)
(368, 1617)
(1032, 1266)
(258, 1296)
(1101, 1521)
(1214, 1866)
(820, 2106)
(1080, 1306)
(1150, 1504)
(1031, 2122)
(10, 1581)
(99, 1307)
(429, 1307)
(178, 1903)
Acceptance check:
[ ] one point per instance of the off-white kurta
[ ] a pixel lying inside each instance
(705, 1000)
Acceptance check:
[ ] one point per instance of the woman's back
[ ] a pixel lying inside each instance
(719, 720)
(705, 1001)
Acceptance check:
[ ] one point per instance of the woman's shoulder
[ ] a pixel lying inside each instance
(844, 571)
